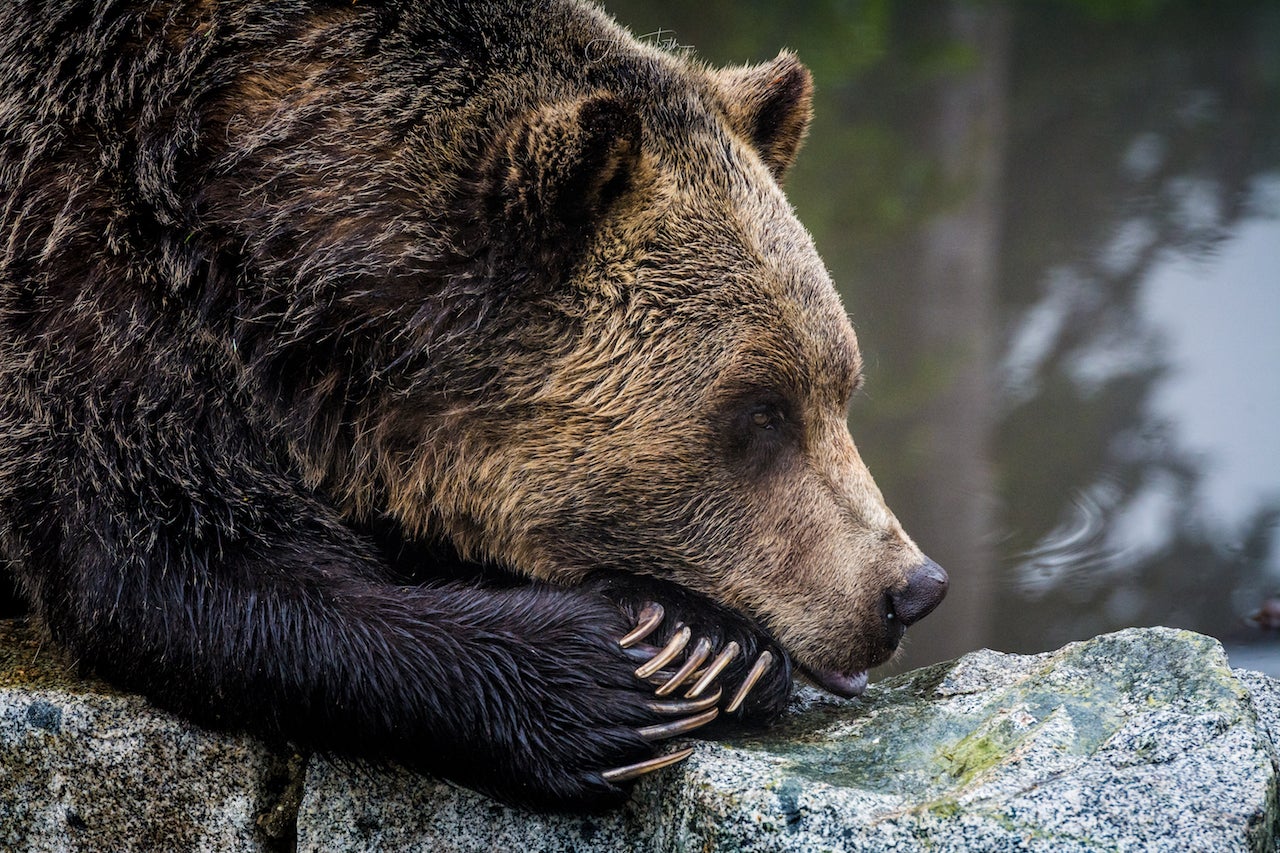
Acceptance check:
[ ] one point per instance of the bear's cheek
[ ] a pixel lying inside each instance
(823, 590)
(818, 554)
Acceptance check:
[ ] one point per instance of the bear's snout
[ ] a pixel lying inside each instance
(925, 588)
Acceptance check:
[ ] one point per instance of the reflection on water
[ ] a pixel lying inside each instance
(1057, 229)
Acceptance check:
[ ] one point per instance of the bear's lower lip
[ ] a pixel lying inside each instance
(843, 684)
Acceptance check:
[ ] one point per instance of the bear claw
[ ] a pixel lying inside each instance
(700, 653)
(687, 707)
(631, 771)
(758, 669)
(661, 731)
(722, 660)
(694, 669)
(650, 618)
(678, 641)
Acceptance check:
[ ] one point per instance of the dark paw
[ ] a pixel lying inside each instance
(676, 665)
(606, 676)
(687, 646)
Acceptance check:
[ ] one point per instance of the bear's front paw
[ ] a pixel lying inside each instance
(690, 671)
(605, 676)
(688, 646)
(678, 716)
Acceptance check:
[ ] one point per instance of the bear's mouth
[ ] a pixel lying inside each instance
(846, 684)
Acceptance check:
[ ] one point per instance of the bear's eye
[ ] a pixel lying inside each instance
(758, 431)
(767, 417)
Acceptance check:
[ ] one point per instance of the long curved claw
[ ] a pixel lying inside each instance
(631, 771)
(687, 707)
(664, 657)
(650, 618)
(678, 727)
(727, 654)
(758, 669)
(700, 653)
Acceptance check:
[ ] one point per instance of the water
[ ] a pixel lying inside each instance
(1056, 227)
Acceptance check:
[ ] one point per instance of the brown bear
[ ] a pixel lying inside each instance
(447, 383)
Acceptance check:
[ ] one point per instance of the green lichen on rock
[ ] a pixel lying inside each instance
(978, 751)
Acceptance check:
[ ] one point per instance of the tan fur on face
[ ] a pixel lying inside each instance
(614, 459)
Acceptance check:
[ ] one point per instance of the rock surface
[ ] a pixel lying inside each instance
(1141, 740)
(83, 767)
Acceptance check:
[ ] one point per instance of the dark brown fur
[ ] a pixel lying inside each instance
(364, 367)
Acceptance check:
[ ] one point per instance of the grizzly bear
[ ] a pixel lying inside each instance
(446, 383)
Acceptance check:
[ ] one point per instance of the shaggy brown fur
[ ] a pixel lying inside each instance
(326, 328)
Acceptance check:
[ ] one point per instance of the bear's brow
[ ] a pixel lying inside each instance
(848, 368)
(844, 360)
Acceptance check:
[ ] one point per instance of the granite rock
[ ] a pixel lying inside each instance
(83, 767)
(1141, 740)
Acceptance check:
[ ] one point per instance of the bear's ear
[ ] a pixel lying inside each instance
(770, 106)
(554, 172)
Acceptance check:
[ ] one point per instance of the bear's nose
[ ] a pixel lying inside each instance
(925, 589)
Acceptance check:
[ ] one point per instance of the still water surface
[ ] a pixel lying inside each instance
(1056, 227)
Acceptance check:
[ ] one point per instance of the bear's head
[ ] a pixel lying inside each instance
(589, 330)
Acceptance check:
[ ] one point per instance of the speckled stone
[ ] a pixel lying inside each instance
(1266, 701)
(85, 768)
(1141, 740)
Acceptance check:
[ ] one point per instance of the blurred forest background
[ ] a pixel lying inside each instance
(1056, 226)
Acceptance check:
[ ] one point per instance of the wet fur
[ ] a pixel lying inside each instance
(364, 367)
